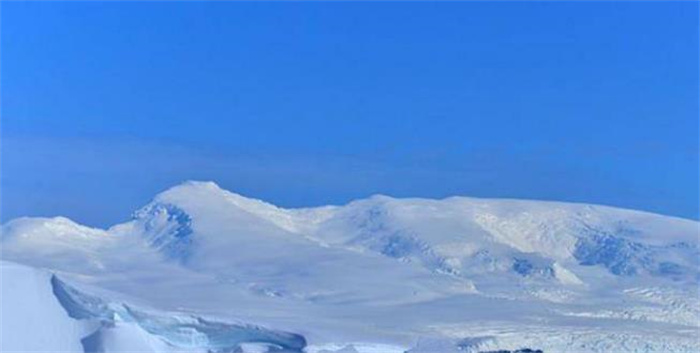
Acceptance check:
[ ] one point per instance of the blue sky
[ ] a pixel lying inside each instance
(301, 104)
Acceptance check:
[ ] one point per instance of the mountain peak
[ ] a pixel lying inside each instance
(203, 191)
(205, 199)
(190, 186)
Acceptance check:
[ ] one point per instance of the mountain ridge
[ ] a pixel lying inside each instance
(411, 267)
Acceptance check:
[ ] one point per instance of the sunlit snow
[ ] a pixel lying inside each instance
(201, 269)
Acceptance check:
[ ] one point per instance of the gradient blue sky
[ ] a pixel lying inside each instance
(106, 104)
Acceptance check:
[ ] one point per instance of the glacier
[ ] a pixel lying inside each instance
(202, 269)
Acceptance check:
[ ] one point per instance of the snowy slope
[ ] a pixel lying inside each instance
(43, 313)
(379, 274)
(32, 317)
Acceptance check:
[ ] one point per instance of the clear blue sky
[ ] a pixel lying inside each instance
(106, 104)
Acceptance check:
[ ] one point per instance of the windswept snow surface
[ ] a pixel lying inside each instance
(201, 269)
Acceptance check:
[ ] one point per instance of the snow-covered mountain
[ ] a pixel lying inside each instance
(204, 269)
